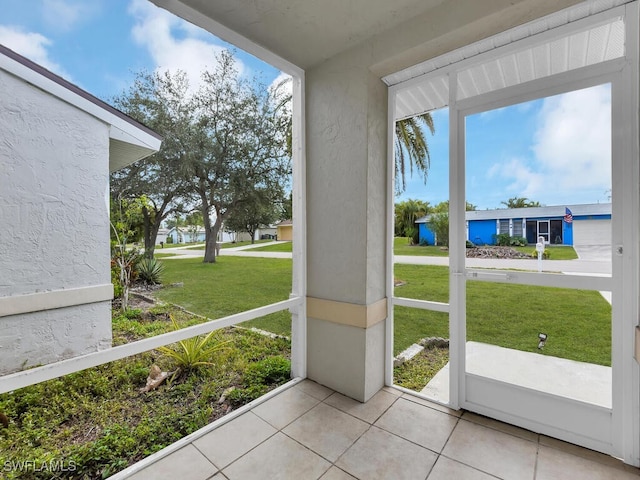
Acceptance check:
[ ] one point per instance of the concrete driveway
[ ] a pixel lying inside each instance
(593, 252)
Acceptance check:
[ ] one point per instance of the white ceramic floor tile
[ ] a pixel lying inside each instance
(380, 455)
(417, 423)
(278, 458)
(186, 464)
(558, 465)
(447, 469)
(326, 430)
(369, 411)
(228, 442)
(284, 408)
(491, 451)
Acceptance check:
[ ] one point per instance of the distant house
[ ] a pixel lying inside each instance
(186, 234)
(162, 236)
(58, 146)
(285, 230)
(585, 224)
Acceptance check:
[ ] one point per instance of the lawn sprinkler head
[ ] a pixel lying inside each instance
(543, 339)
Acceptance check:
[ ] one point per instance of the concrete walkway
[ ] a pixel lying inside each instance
(580, 381)
(590, 262)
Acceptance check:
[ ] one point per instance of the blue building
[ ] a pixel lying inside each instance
(586, 224)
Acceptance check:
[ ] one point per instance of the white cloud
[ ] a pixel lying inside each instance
(63, 15)
(571, 150)
(573, 141)
(173, 43)
(32, 45)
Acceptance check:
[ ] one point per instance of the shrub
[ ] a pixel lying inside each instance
(150, 270)
(518, 242)
(546, 254)
(502, 239)
(470, 244)
(193, 352)
(424, 242)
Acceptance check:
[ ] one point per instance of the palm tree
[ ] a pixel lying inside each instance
(520, 202)
(412, 148)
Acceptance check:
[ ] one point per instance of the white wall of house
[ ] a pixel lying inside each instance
(54, 160)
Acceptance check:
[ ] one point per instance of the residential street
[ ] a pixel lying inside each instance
(593, 259)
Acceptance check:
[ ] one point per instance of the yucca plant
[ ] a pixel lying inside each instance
(150, 270)
(193, 352)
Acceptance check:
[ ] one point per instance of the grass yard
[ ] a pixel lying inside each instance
(97, 422)
(229, 244)
(577, 322)
(231, 285)
(277, 247)
(402, 247)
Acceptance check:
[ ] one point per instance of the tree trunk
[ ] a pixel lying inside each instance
(211, 237)
(150, 233)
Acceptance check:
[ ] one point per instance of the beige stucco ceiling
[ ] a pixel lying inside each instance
(398, 33)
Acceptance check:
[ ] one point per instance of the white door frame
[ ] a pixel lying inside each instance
(618, 428)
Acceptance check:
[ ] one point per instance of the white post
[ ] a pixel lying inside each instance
(540, 250)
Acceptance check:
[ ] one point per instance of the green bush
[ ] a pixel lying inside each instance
(546, 254)
(470, 244)
(150, 271)
(518, 242)
(502, 239)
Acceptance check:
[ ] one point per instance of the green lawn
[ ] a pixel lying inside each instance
(577, 322)
(401, 247)
(229, 244)
(231, 285)
(277, 247)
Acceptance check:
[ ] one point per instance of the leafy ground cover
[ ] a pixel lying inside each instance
(417, 372)
(98, 421)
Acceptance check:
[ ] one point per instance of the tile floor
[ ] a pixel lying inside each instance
(311, 432)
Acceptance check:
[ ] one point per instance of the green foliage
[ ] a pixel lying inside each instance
(411, 147)
(502, 239)
(439, 224)
(193, 352)
(259, 378)
(406, 214)
(546, 254)
(470, 244)
(520, 202)
(518, 242)
(150, 270)
(98, 421)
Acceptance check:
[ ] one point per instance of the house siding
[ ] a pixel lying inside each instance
(54, 210)
(482, 232)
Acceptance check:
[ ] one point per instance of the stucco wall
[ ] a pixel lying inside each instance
(346, 219)
(53, 216)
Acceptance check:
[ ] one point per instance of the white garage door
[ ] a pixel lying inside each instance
(591, 232)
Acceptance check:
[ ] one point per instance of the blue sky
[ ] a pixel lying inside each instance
(555, 150)
(100, 44)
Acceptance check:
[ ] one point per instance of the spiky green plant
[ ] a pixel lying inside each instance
(150, 270)
(193, 352)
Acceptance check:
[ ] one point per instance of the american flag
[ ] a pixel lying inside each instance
(568, 216)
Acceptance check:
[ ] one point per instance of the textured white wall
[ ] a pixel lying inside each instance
(54, 224)
(346, 218)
